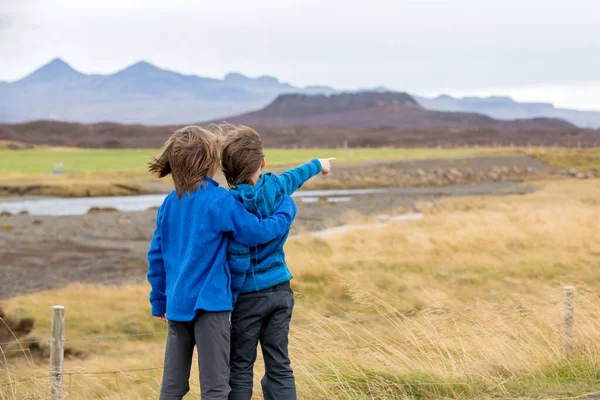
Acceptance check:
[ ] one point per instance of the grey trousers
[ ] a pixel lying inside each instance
(263, 316)
(210, 333)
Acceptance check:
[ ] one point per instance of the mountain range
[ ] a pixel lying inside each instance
(502, 107)
(145, 94)
(140, 93)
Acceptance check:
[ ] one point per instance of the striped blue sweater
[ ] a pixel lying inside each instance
(263, 266)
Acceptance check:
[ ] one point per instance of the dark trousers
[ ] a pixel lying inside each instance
(210, 333)
(263, 316)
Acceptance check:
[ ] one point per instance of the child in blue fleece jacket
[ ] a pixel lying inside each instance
(260, 276)
(187, 264)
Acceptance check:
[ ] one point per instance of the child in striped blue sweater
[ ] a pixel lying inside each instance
(260, 278)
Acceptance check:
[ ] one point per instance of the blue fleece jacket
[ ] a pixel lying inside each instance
(264, 266)
(187, 260)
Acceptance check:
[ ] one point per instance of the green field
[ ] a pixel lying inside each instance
(91, 161)
(115, 172)
(112, 172)
(43, 160)
(79, 160)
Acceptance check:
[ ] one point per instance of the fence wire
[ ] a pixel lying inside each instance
(80, 373)
(356, 319)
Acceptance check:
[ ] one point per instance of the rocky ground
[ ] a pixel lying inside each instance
(441, 172)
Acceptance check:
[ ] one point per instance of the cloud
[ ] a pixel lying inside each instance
(421, 46)
(5, 22)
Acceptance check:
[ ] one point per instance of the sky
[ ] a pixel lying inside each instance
(533, 50)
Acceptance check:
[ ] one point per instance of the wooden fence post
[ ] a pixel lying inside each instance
(568, 321)
(57, 352)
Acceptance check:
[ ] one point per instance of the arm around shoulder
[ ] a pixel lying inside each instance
(248, 229)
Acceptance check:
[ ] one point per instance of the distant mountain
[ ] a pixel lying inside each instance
(140, 93)
(500, 107)
(145, 94)
(372, 109)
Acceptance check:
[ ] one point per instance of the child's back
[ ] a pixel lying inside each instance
(193, 249)
(188, 268)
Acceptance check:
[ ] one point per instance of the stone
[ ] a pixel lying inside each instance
(455, 172)
(580, 176)
(450, 178)
(5, 214)
(573, 172)
(590, 175)
(124, 221)
(95, 210)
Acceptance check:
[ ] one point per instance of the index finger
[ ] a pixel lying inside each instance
(331, 159)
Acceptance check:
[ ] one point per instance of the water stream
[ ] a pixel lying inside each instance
(81, 205)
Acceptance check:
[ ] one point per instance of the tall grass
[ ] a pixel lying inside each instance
(465, 304)
(584, 160)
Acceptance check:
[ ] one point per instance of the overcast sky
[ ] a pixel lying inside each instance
(546, 50)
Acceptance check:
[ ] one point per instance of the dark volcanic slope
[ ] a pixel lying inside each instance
(105, 135)
(368, 109)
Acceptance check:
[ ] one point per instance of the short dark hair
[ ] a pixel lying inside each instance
(241, 154)
(189, 155)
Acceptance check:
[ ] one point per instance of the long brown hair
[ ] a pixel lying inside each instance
(189, 155)
(241, 154)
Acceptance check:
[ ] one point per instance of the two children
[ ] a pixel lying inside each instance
(200, 230)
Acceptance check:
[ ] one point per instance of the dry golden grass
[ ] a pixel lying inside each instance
(76, 184)
(14, 145)
(425, 309)
(584, 160)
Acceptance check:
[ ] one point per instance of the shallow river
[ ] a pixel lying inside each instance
(81, 205)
